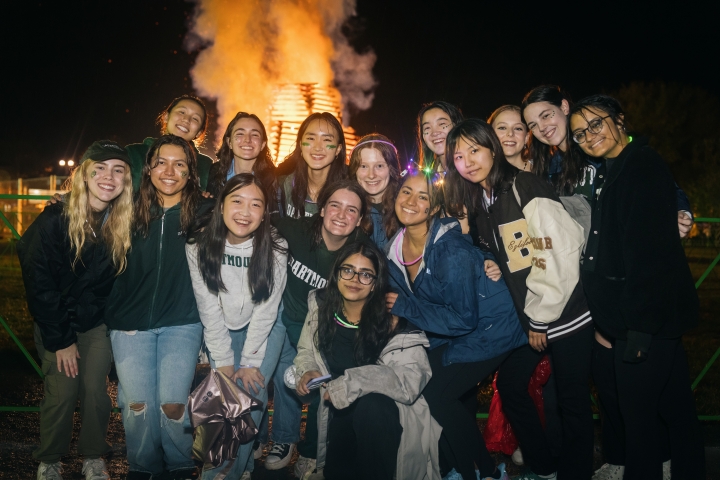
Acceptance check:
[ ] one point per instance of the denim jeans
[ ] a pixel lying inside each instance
(287, 407)
(244, 460)
(156, 368)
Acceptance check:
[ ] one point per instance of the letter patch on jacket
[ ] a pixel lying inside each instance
(518, 244)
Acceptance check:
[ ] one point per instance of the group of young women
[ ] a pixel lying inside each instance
(379, 294)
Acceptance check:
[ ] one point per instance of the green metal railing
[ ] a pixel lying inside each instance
(32, 361)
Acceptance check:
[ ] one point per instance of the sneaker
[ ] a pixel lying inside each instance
(279, 456)
(517, 457)
(609, 472)
(184, 474)
(303, 466)
(258, 450)
(50, 471)
(666, 470)
(452, 475)
(246, 476)
(95, 469)
(314, 475)
(534, 476)
(501, 469)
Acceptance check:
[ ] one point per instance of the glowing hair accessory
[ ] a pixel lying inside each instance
(430, 173)
(365, 142)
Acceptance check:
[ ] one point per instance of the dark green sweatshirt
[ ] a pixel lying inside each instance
(155, 290)
(138, 152)
(308, 268)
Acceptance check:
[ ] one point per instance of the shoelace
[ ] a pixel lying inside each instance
(279, 449)
(95, 469)
(54, 471)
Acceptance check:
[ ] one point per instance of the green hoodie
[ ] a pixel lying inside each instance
(138, 152)
(155, 290)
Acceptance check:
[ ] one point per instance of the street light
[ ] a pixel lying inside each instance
(62, 163)
(70, 163)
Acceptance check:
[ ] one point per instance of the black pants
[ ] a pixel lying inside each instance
(461, 443)
(659, 386)
(363, 440)
(571, 362)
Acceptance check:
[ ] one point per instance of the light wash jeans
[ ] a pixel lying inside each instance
(244, 461)
(156, 367)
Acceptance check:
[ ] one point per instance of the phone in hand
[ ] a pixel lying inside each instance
(316, 383)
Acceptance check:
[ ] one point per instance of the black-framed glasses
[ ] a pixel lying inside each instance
(347, 273)
(594, 126)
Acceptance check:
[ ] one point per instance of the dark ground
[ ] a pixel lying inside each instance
(20, 385)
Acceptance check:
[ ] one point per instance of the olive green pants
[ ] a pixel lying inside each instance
(61, 394)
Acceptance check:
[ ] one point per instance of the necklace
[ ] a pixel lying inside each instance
(91, 229)
(343, 323)
(399, 255)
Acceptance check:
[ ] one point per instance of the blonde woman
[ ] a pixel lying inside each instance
(70, 257)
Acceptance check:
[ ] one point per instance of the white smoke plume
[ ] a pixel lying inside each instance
(249, 46)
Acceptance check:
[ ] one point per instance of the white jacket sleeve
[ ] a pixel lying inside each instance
(217, 336)
(264, 315)
(557, 243)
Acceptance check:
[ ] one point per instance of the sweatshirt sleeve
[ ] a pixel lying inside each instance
(305, 359)
(41, 245)
(217, 335)
(402, 380)
(264, 315)
(557, 242)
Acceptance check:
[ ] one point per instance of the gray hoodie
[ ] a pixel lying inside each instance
(221, 312)
(401, 373)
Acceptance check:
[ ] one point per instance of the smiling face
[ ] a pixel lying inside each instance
(548, 122)
(246, 140)
(185, 120)
(435, 125)
(170, 174)
(243, 211)
(105, 182)
(353, 290)
(412, 205)
(608, 142)
(341, 214)
(473, 161)
(511, 132)
(319, 144)
(373, 174)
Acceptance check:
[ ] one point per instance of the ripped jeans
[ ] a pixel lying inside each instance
(155, 370)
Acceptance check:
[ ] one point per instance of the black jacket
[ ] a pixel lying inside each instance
(636, 277)
(63, 301)
(156, 290)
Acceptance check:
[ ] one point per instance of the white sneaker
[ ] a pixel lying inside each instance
(95, 469)
(666, 470)
(609, 472)
(517, 457)
(303, 466)
(258, 450)
(50, 471)
(279, 456)
(246, 476)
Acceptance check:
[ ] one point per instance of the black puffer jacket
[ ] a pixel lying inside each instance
(63, 301)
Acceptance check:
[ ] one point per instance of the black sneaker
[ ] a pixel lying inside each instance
(138, 475)
(279, 456)
(184, 474)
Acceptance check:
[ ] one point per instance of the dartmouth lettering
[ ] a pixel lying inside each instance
(305, 274)
(234, 261)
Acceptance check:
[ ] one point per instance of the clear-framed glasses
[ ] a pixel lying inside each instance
(347, 273)
(594, 126)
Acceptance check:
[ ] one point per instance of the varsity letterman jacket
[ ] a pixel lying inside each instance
(538, 247)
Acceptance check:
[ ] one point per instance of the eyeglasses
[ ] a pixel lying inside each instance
(365, 278)
(594, 126)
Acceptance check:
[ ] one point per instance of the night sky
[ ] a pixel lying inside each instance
(77, 71)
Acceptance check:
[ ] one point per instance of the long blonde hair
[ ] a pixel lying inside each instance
(117, 228)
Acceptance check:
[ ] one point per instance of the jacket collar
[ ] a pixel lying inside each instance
(619, 162)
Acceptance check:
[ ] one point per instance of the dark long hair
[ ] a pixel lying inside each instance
(203, 129)
(338, 171)
(426, 157)
(376, 326)
(460, 192)
(573, 164)
(210, 240)
(148, 206)
(391, 158)
(263, 168)
(327, 191)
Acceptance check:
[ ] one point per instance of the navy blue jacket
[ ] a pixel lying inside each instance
(453, 300)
